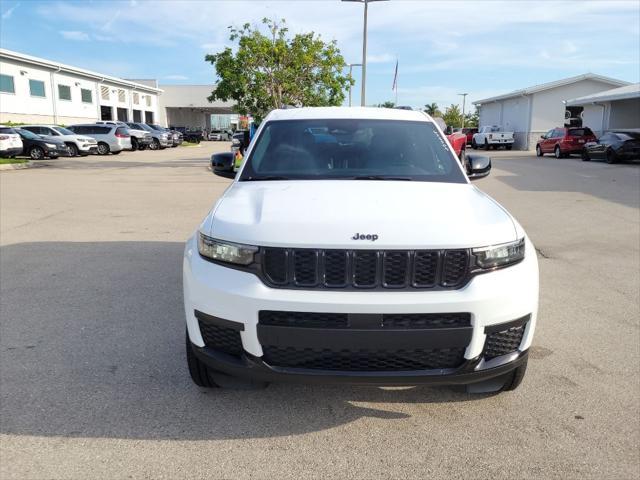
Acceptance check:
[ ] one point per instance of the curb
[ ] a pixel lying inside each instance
(16, 166)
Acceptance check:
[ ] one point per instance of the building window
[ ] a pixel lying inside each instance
(87, 96)
(64, 92)
(104, 92)
(148, 117)
(137, 116)
(106, 113)
(148, 100)
(136, 98)
(123, 115)
(121, 97)
(36, 87)
(6, 84)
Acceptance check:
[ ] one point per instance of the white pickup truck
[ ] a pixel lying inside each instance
(492, 137)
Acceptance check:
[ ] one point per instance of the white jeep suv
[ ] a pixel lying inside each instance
(351, 247)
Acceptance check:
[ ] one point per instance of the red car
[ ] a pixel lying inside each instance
(562, 142)
(459, 143)
(468, 132)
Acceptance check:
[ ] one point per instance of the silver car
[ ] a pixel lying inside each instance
(110, 138)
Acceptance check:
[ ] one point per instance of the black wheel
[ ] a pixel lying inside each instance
(515, 378)
(557, 152)
(155, 144)
(611, 156)
(198, 370)
(103, 148)
(585, 155)
(116, 153)
(134, 143)
(474, 145)
(36, 153)
(142, 147)
(538, 151)
(204, 376)
(72, 149)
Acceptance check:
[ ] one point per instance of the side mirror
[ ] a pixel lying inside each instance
(224, 173)
(543, 137)
(478, 166)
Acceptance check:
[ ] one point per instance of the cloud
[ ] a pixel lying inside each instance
(176, 77)
(382, 58)
(75, 35)
(7, 15)
(109, 23)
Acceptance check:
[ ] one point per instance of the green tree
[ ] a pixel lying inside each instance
(274, 70)
(471, 119)
(433, 110)
(386, 104)
(452, 116)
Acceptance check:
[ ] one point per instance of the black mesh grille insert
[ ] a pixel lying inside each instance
(426, 320)
(304, 319)
(222, 339)
(454, 269)
(365, 268)
(501, 343)
(368, 269)
(363, 360)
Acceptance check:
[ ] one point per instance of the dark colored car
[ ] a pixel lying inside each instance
(192, 136)
(37, 147)
(562, 142)
(222, 162)
(613, 147)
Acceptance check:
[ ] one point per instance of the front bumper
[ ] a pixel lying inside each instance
(490, 299)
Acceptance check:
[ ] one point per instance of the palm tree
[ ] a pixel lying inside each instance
(433, 110)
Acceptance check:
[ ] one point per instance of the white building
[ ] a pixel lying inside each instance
(532, 111)
(616, 109)
(35, 90)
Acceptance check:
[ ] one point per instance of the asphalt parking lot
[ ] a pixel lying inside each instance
(92, 365)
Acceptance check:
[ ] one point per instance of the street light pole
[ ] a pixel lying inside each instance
(351, 65)
(464, 97)
(364, 49)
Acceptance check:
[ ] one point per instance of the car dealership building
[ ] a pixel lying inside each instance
(532, 111)
(35, 90)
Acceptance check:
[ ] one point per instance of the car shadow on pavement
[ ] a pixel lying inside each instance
(92, 345)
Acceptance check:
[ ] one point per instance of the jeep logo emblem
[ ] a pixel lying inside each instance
(362, 236)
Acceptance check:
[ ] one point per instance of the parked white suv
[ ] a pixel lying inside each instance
(76, 144)
(10, 142)
(351, 247)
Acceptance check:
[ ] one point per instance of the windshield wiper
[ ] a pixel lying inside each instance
(380, 177)
(266, 177)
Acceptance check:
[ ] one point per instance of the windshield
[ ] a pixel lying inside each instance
(351, 149)
(63, 131)
(144, 127)
(28, 134)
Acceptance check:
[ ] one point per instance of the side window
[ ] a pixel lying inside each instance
(64, 92)
(51, 131)
(549, 134)
(86, 95)
(36, 88)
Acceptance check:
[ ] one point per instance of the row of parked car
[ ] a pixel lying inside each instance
(102, 138)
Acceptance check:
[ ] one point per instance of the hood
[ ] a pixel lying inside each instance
(51, 139)
(329, 213)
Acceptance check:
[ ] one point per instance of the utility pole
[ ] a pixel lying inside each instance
(464, 97)
(351, 65)
(363, 91)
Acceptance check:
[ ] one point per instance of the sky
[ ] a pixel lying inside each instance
(443, 48)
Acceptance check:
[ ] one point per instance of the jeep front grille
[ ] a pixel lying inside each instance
(365, 269)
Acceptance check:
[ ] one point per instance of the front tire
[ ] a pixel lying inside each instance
(515, 378)
(538, 151)
(72, 149)
(155, 144)
(116, 153)
(198, 370)
(585, 155)
(611, 157)
(36, 153)
(103, 149)
(134, 144)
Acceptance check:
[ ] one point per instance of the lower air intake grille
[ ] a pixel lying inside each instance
(363, 360)
(503, 342)
(222, 339)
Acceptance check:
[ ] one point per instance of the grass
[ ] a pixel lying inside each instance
(4, 161)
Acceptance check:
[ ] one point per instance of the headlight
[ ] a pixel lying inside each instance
(51, 145)
(225, 251)
(499, 255)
